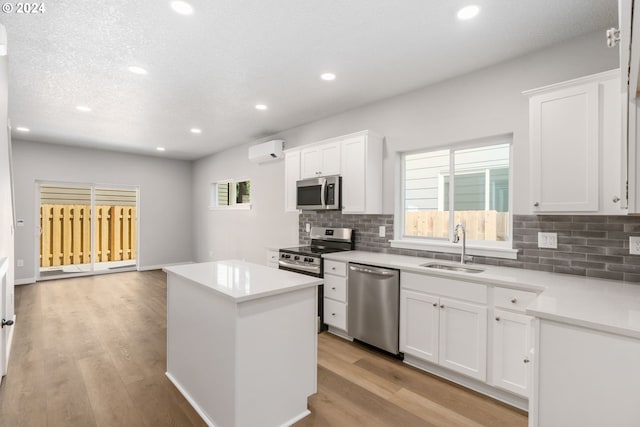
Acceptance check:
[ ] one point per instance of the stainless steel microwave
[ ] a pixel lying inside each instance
(319, 193)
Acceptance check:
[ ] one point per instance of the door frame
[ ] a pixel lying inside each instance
(93, 186)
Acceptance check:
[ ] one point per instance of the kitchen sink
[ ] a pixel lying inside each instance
(458, 268)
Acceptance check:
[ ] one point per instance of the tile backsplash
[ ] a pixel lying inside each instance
(588, 245)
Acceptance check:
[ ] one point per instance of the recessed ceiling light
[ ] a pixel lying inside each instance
(261, 107)
(468, 12)
(196, 130)
(137, 70)
(182, 7)
(328, 76)
(160, 148)
(83, 108)
(23, 129)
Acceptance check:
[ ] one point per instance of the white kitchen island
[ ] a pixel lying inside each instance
(242, 341)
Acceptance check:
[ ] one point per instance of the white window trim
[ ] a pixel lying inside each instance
(474, 247)
(213, 206)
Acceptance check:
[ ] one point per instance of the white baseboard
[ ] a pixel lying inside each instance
(192, 402)
(295, 419)
(27, 281)
(161, 266)
(473, 384)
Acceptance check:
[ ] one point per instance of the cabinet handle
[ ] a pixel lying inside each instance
(435, 304)
(616, 199)
(497, 319)
(526, 360)
(333, 269)
(333, 288)
(514, 300)
(536, 204)
(441, 305)
(333, 314)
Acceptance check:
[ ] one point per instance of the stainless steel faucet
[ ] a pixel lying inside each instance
(456, 239)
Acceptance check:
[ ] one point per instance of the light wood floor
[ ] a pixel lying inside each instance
(91, 351)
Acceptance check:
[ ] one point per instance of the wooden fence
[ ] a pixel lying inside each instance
(479, 225)
(66, 234)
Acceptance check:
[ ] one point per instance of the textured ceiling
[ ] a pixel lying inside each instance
(208, 70)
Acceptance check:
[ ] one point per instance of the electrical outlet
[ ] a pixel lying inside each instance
(20, 263)
(548, 240)
(634, 245)
(382, 231)
(307, 227)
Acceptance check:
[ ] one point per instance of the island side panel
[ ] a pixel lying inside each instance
(276, 358)
(200, 342)
(586, 377)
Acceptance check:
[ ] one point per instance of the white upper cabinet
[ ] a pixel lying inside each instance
(361, 172)
(356, 157)
(575, 131)
(629, 24)
(320, 160)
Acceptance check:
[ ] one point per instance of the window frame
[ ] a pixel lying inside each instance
(232, 183)
(499, 249)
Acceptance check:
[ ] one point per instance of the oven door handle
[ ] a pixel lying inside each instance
(323, 192)
(299, 267)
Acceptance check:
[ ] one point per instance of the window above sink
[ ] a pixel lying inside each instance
(468, 183)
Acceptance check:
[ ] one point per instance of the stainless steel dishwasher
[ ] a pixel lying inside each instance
(373, 310)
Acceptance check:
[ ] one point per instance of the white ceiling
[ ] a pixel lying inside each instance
(208, 70)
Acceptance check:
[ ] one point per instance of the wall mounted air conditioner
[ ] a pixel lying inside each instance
(267, 151)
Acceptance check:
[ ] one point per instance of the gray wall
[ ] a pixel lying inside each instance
(165, 197)
(484, 103)
(241, 234)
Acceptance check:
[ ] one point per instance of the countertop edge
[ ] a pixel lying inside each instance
(545, 284)
(312, 283)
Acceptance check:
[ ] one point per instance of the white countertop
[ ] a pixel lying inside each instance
(606, 305)
(243, 281)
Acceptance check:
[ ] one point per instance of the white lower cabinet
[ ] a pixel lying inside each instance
(335, 295)
(512, 352)
(335, 314)
(445, 331)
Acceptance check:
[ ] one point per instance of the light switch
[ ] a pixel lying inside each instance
(382, 231)
(307, 227)
(634, 245)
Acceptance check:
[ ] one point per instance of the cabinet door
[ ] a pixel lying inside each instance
(291, 175)
(354, 175)
(463, 338)
(310, 162)
(419, 325)
(565, 132)
(330, 159)
(320, 160)
(511, 351)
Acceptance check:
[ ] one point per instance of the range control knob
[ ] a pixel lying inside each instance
(308, 259)
(296, 257)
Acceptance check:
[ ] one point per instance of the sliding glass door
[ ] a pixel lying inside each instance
(86, 229)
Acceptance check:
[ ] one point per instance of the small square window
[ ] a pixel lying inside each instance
(231, 194)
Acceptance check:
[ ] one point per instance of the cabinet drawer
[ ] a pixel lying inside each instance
(335, 287)
(459, 289)
(513, 299)
(335, 267)
(335, 314)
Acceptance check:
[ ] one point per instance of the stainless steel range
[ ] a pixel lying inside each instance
(308, 259)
